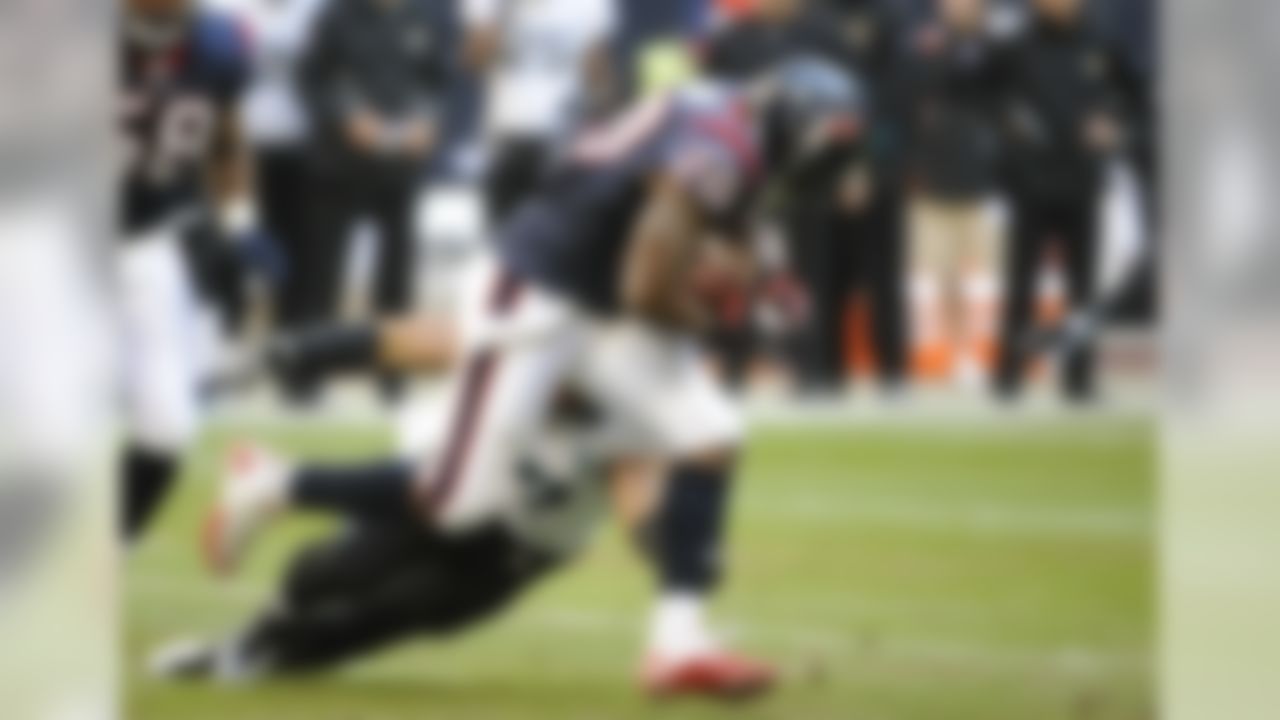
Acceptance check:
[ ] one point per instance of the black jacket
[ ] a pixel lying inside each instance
(393, 57)
(951, 102)
(1052, 79)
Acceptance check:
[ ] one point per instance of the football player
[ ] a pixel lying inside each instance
(601, 286)
(182, 71)
(385, 578)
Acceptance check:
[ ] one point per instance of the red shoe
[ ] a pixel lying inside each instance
(719, 674)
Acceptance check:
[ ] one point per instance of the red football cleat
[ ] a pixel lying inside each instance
(721, 675)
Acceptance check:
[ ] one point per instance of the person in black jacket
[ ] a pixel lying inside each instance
(374, 80)
(952, 173)
(1068, 104)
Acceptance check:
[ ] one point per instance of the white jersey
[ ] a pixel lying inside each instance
(543, 48)
(559, 484)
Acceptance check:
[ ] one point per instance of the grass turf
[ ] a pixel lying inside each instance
(894, 572)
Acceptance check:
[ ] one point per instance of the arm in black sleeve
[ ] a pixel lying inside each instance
(1129, 98)
(328, 102)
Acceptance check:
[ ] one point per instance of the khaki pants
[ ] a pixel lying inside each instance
(952, 238)
(956, 253)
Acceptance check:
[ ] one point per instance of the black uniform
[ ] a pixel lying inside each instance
(385, 582)
(1054, 77)
(392, 58)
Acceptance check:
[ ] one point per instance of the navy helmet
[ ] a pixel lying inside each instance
(814, 112)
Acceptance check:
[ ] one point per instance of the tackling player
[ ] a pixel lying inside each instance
(182, 71)
(600, 287)
(386, 578)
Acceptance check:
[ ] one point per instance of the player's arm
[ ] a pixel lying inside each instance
(658, 269)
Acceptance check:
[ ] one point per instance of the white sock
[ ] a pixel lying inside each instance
(678, 628)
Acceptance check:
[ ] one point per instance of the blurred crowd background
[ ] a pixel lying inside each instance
(1010, 172)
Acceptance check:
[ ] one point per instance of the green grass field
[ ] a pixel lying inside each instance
(983, 572)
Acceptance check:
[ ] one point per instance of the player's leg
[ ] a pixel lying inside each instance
(157, 317)
(327, 609)
(672, 398)
(497, 398)
(258, 485)
(361, 591)
(414, 343)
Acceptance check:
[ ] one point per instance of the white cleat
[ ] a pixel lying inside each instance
(253, 491)
(201, 661)
(186, 659)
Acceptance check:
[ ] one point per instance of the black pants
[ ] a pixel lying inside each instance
(1037, 224)
(838, 253)
(341, 199)
(518, 165)
(375, 585)
(283, 185)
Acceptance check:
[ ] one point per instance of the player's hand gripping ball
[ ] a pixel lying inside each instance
(721, 281)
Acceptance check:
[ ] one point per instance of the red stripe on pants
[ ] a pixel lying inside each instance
(476, 385)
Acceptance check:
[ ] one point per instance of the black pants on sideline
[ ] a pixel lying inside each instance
(283, 185)
(1036, 225)
(340, 201)
(374, 585)
(518, 165)
(838, 254)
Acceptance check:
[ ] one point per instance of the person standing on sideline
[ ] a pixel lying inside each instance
(1068, 105)
(544, 62)
(374, 80)
(952, 174)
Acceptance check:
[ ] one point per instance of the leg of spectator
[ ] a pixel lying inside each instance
(319, 275)
(1080, 246)
(886, 287)
(805, 230)
(283, 188)
(1021, 264)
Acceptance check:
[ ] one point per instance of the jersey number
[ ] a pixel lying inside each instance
(178, 137)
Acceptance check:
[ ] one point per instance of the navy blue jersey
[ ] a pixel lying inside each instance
(172, 99)
(572, 237)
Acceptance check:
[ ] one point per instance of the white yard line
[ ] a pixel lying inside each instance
(1003, 520)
